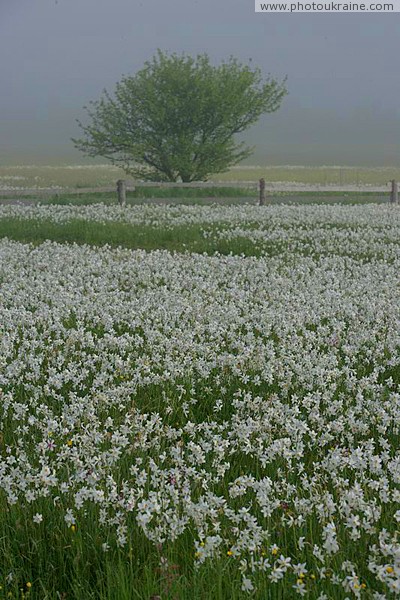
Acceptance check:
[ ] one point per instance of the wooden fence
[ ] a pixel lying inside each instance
(129, 186)
(254, 187)
(122, 187)
(394, 194)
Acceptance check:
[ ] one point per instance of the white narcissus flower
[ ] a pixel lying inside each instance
(247, 585)
(37, 518)
(244, 400)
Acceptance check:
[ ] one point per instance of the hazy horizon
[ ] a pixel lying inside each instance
(342, 106)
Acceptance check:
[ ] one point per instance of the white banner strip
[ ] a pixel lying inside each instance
(328, 6)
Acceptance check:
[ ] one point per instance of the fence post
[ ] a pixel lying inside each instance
(261, 201)
(121, 189)
(394, 194)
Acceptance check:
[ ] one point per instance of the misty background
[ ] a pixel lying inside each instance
(343, 77)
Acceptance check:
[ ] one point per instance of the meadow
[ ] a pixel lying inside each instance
(98, 175)
(200, 401)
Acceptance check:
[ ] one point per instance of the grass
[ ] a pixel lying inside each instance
(80, 176)
(63, 562)
(199, 238)
(326, 175)
(177, 239)
(205, 197)
(60, 563)
(53, 561)
(224, 195)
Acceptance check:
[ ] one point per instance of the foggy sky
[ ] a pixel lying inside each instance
(343, 74)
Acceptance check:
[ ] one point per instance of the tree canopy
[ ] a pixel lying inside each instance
(176, 119)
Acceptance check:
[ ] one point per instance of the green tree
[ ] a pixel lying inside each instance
(176, 119)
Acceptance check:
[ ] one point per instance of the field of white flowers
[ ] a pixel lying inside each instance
(232, 412)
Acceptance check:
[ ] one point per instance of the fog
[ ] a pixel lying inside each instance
(342, 73)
